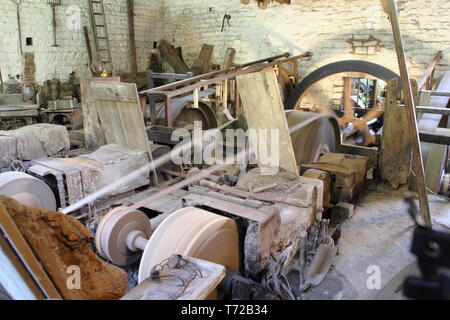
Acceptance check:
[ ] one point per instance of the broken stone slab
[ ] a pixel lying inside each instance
(305, 195)
(62, 244)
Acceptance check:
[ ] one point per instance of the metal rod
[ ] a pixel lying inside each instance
(391, 10)
(54, 26)
(433, 110)
(17, 3)
(436, 93)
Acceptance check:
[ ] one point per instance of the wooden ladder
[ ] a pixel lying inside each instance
(101, 39)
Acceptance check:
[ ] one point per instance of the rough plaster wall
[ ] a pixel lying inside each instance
(332, 30)
(71, 55)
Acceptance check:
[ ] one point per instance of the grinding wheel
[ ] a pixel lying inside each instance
(27, 190)
(184, 115)
(112, 233)
(314, 139)
(436, 162)
(196, 233)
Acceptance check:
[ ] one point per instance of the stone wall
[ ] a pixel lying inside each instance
(71, 54)
(331, 30)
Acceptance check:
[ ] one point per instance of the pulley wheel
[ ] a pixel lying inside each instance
(184, 115)
(27, 190)
(196, 233)
(317, 137)
(112, 232)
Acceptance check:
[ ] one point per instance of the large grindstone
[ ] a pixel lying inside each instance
(196, 233)
(316, 136)
(436, 162)
(27, 190)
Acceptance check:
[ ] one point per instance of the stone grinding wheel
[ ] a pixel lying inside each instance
(112, 233)
(314, 139)
(184, 115)
(436, 156)
(27, 190)
(196, 233)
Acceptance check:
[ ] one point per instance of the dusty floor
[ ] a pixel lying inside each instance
(377, 238)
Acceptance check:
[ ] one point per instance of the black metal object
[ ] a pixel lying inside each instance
(227, 18)
(432, 249)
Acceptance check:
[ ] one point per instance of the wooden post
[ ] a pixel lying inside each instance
(172, 57)
(374, 93)
(348, 102)
(391, 10)
(89, 49)
(203, 61)
(229, 58)
(395, 155)
(133, 55)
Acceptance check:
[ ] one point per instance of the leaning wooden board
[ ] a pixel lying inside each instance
(95, 137)
(120, 113)
(264, 110)
(42, 285)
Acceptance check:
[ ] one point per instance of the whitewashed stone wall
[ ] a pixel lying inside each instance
(331, 30)
(71, 55)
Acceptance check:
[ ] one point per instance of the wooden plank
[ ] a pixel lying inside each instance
(229, 58)
(198, 288)
(390, 8)
(203, 61)
(95, 137)
(120, 114)
(432, 110)
(14, 277)
(437, 93)
(26, 255)
(436, 138)
(117, 92)
(19, 113)
(88, 48)
(395, 156)
(264, 110)
(172, 57)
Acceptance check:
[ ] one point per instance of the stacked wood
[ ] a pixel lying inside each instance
(203, 61)
(172, 57)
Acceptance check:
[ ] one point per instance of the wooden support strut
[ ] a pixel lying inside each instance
(390, 9)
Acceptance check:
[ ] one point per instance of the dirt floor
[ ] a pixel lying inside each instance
(377, 238)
